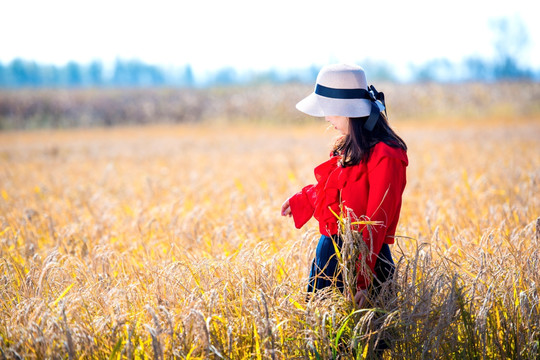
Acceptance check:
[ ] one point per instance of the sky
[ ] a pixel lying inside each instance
(258, 35)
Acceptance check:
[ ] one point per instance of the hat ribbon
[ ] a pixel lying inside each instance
(376, 98)
(377, 107)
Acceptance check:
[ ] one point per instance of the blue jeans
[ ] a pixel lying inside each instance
(325, 272)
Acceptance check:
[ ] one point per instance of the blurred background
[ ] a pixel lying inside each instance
(75, 63)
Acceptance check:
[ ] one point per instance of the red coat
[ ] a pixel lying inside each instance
(371, 189)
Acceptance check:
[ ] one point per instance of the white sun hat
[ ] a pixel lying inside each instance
(341, 90)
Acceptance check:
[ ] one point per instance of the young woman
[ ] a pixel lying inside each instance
(363, 179)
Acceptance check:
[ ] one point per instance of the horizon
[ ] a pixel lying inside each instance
(241, 36)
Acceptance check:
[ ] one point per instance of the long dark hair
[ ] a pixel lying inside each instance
(356, 146)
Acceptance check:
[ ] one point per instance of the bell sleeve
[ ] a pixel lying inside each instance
(303, 205)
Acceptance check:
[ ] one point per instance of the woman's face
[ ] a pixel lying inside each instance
(340, 123)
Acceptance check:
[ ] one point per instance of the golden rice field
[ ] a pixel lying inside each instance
(166, 242)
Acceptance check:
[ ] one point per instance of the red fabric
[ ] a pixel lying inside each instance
(371, 190)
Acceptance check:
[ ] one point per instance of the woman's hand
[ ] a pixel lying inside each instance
(360, 298)
(286, 209)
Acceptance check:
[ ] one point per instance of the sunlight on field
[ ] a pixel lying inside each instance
(167, 241)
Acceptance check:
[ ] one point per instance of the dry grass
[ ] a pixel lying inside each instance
(167, 242)
(53, 108)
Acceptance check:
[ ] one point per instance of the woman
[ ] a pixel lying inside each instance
(363, 179)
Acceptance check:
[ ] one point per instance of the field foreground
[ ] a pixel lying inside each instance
(162, 242)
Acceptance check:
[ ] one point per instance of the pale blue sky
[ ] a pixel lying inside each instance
(257, 34)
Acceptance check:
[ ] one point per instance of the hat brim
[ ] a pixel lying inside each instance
(320, 106)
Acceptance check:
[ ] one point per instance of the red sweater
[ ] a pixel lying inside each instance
(370, 189)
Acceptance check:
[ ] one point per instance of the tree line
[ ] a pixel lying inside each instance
(27, 73)
(21, 73)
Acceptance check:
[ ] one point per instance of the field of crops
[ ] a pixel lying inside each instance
(166, 242)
